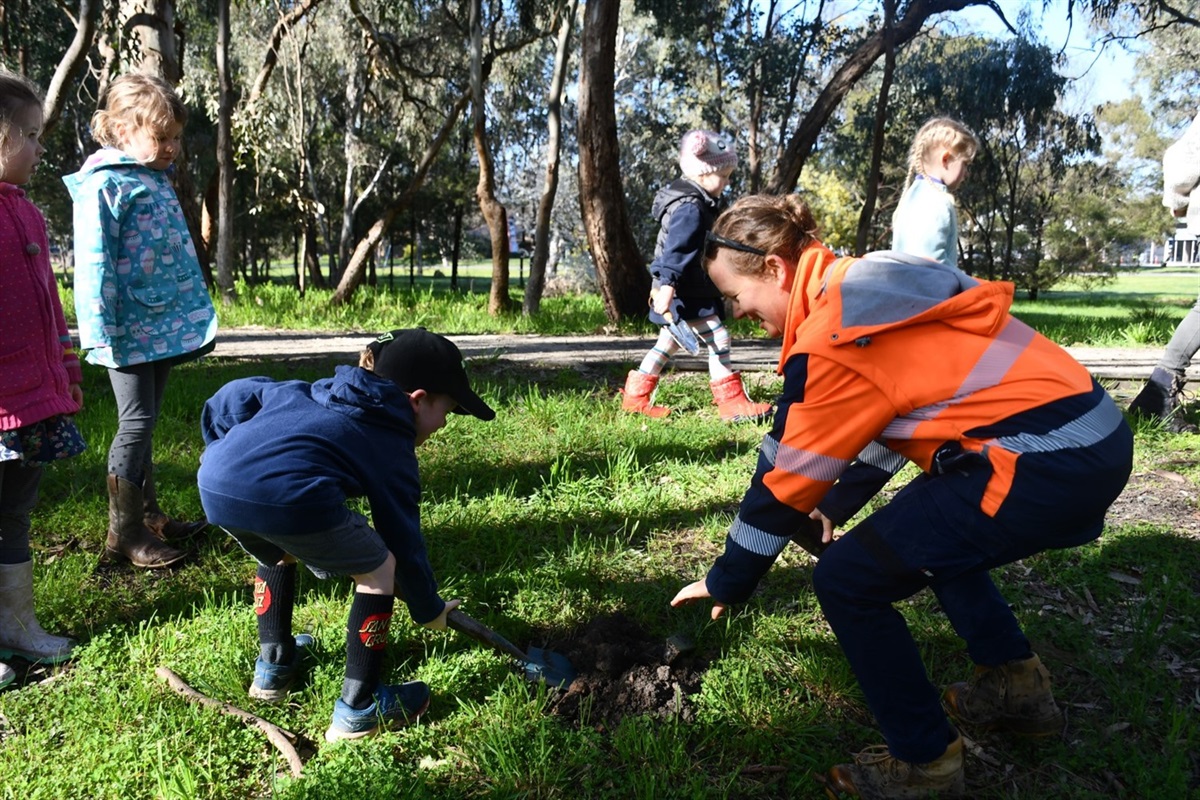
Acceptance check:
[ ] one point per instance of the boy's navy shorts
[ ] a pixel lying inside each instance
(351, 548)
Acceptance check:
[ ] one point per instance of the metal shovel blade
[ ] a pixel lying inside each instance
(682, 333)
(546, 665)
(538, 665)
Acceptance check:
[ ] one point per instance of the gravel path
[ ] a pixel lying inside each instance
(1115, 364)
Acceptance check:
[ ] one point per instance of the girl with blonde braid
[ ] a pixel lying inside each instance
(926, 221)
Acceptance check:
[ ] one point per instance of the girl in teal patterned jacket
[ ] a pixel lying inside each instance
(140, 297)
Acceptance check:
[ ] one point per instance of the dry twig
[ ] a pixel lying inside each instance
(279, 737)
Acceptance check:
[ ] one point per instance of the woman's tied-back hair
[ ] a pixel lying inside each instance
(17, 94)
(139, 101)
(781, 225)
(940, 132)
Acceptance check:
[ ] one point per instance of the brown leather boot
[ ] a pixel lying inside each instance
(877, 775)
(1014, 696)
(157, 520)
(638, 395)
(733, 404)
(128, 536)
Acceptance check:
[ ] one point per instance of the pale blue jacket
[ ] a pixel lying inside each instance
(926, 222)
(139, 292)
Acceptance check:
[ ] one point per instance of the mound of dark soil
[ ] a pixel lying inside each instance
(622, 671)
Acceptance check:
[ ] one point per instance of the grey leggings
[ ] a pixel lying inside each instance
(138, 391)
(1184, 342)
(18, 495)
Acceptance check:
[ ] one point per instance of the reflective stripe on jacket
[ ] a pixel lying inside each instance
(896, 352)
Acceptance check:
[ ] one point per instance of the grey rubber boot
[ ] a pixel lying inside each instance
(128, 537)
(20, 633)
(7, 675)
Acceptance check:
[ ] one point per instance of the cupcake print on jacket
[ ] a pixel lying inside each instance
(153, 237)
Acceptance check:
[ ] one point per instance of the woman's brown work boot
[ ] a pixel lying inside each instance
(877, 775)
(1014, 696)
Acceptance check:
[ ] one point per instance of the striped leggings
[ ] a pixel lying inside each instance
(711, 331)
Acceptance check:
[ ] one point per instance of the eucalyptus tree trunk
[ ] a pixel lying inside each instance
(225, 168)
(874, 176)
(356, 90)
(756, 95)
(541, 238)
(72, 63)
(620, 271)
(493, 210)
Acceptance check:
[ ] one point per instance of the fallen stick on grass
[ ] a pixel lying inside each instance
(276, 735)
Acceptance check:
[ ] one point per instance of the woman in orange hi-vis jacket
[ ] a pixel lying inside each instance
(888, 359)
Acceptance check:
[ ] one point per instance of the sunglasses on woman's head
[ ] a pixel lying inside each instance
(712, 241)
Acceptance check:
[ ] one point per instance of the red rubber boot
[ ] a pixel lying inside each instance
(638, 395)
(732, 402)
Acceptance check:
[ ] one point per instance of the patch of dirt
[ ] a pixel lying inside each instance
(623, 671)
(1159, 497)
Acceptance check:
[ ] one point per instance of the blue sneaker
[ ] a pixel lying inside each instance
(394, 707)
(273, 681)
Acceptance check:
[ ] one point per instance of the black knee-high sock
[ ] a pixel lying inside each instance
(274, 597)
(366, 639)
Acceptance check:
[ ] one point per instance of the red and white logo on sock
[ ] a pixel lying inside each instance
(374, 631)
(262, 596)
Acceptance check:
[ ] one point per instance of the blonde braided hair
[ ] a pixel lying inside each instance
(940, 132)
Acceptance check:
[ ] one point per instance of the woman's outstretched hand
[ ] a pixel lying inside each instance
(697, 591)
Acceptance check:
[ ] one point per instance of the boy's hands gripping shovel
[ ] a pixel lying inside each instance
(539, 665)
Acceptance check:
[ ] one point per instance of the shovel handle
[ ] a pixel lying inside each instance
(472, 627)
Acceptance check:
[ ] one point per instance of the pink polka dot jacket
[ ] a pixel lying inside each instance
(37, 361)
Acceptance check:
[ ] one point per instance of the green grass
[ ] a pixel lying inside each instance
(1139, 309)
(559, 511)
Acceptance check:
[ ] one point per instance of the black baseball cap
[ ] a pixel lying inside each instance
(414, 358)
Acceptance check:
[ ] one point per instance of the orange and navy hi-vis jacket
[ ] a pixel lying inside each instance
(892, 358)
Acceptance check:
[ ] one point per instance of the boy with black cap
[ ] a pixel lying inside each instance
(282, 459)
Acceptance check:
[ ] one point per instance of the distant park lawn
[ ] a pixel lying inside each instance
(1136, 309)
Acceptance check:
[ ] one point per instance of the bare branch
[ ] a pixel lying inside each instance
(280, 738)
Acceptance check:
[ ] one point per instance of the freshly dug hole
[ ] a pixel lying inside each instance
(623, 671)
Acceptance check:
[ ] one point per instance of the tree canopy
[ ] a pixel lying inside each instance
(361, 131)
